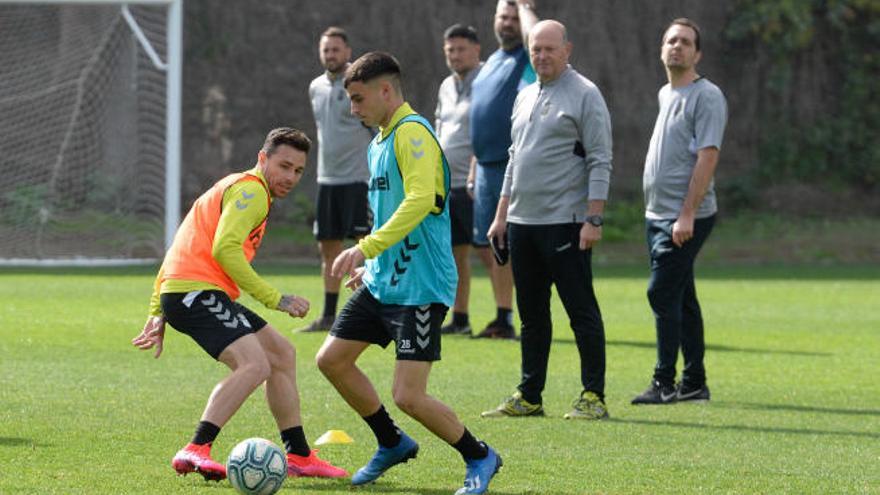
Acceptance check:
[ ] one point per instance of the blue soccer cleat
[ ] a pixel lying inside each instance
(385, 458)
(480, 472)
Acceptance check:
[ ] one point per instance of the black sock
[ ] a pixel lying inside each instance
(505, 315)
(295, 442)
(206, 432)
(460, 319)
(469, 447)
(330, 300)
(387, 433)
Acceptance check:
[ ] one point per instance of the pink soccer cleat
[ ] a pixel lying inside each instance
(197, 458)
(312, 466)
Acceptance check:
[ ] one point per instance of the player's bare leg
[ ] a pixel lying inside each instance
(502, 287)
(330, 249)
(283, 399)
(501, 277)
(337, 361)
(462, 255)
(250, 368)
(410, 395)
(281, 391)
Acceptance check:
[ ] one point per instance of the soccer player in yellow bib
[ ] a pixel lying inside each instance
(407, 283)
(196, 290)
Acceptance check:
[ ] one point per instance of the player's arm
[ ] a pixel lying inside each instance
(710, 119)
(419, 159)
(155, 304)
(245, 205)
(704, 170)
(153, 333)
(595, 135)
(438, 123)
(498, 228)
(527, 18)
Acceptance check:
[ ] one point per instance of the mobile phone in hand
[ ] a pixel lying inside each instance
(502, 254)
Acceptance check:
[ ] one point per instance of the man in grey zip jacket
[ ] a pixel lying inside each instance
(550, 212)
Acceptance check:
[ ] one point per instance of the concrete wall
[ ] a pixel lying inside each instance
(249, 63)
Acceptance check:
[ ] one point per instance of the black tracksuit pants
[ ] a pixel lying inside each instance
(542, 255)
(673, 297)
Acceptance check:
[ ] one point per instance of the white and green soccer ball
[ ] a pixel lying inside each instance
(256, 466)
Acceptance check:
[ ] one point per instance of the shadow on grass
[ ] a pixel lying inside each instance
(709, 347)
(393, 488)
(795, 408)
(17, 442)
(757, 429)
(780, 272)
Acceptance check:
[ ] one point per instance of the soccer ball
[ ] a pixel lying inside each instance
(256, 467)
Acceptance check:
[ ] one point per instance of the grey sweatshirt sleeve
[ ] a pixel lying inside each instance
(508, 174)
(710, 118)
(437, 111)
(596, 138)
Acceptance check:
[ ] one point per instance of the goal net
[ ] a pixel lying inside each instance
(84, 132)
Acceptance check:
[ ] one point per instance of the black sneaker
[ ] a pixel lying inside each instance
(689, 393)
(657, 393)
(497, 330)
(453, 329)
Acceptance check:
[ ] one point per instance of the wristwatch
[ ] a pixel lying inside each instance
(470, 186)
(595, 220)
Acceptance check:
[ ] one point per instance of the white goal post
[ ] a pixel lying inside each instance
(90, 126)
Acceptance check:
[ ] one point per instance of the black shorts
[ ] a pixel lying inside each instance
(343, 212)
(414, 329)
(461, 216)
(208, 316)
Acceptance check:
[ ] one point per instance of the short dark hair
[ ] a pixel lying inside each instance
(337, 32)
(461, 31)
(286, 136)
(371, 65)
(684, 21)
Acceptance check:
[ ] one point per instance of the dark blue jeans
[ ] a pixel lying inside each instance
(673, 298)
(545, 255)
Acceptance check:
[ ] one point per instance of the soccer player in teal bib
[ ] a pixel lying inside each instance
(407, 283)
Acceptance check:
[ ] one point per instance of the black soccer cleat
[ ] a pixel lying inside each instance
(657, 393)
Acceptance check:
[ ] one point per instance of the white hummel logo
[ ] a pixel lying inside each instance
(423, 317)
(190, 297)
(244, 320)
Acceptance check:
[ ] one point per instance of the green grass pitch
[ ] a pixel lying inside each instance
(793, 362)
